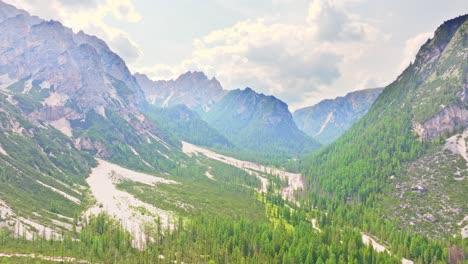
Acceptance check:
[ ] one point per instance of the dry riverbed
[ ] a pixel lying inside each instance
(295, 180)
(132, 213)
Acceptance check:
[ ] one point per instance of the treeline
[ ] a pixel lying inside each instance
(206, 239)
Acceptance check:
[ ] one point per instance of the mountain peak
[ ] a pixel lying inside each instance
(193, 89)
(330, 118)
(259, 123)
(196, 75)
(249, 90)
(7, 11)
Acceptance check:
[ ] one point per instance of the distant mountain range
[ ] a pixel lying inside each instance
(324, 122)
(259, 123)
(329, 119)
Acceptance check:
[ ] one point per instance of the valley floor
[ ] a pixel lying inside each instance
(295, 181)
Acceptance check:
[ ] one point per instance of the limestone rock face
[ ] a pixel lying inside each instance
(64, 79)
(77, 65)
(446, 121)
(192, 89)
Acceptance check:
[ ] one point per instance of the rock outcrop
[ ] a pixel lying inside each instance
(447, 121)
(193, 89)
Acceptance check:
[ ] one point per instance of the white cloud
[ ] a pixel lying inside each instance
(295, 62)
(302, 51)
(412, 46)
(89, 16)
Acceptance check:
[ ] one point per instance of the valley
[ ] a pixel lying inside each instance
(105, 162)
(294, 182)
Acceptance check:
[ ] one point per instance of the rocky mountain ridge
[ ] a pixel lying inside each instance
(60, 78)
(330, 118)
(193, 89)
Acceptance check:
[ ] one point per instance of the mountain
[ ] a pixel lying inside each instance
(397, 153)
(329, 119)
(259, 123)
(187, 125)
(192, 89)
(76, 84)
(91, 173)
(65, 99)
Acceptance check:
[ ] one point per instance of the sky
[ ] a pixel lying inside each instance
(301, 51)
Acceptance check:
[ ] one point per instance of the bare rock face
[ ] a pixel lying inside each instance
(77, 65)
(192, 89)
(87, 144)
(446, 121)
(57, 77)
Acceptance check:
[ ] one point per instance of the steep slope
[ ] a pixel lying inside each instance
(192, 89)
(329, 119)
(65, 99)
(379, 149)
(187, 125)
(259, 123)
(76, 84)
(42, 176)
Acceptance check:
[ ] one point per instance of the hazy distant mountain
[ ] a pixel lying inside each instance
(329, 119)
(259, 123)
(192, 89)
(187, 125)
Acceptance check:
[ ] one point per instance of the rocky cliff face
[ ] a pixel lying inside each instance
(441, 101)
(192, 89)
(76, 65)
(330, 118)
(60, 78)
(448, 120)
